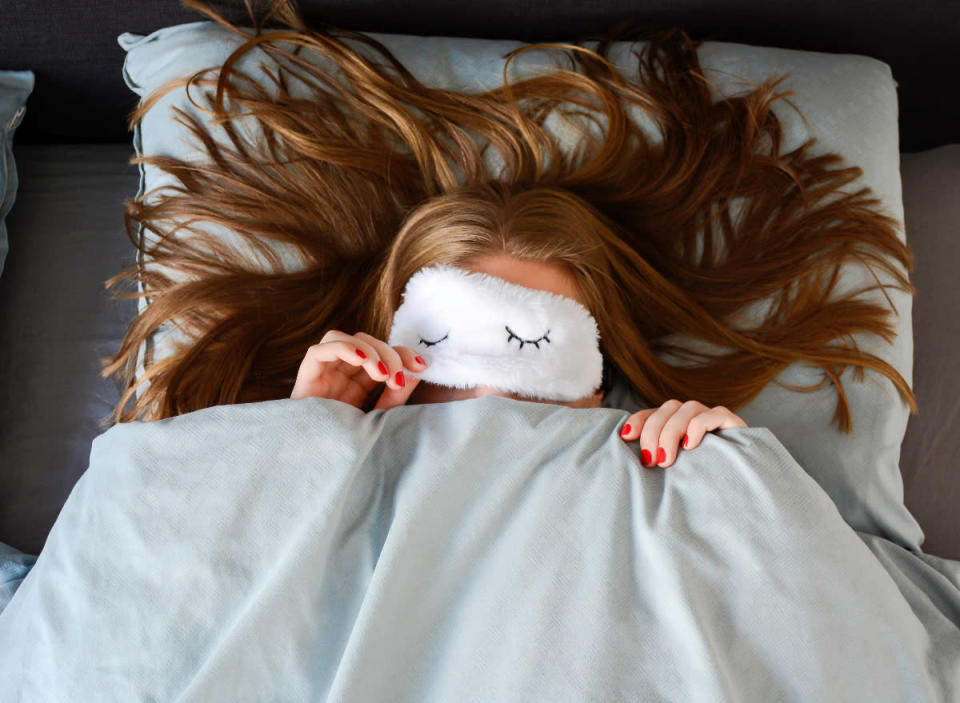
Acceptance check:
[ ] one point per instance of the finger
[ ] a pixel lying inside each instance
(389, 365)
(672, 433)
(733, 420)
(410, 359)
(718, 418)
(391, 398)
(365, 352)
(317, 362)
(634, 424)
(650, 434)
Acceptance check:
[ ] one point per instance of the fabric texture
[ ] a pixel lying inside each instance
(15, 88)
(57, 321)
(931, 472)
(475, 329)
(14, 567)
(488, 549)
(860, 472)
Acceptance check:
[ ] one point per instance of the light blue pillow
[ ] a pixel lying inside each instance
(14, 567)
(850, 105)
(15, 88)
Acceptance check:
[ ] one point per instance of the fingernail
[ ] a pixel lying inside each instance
(382, 367)
(400, 380)
(421, 361)
(685, 438)
(360, 354)
(661, 455)
(625, 431)
(645, 457)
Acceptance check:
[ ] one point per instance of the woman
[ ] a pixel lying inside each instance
(483, 226)
(375, 176)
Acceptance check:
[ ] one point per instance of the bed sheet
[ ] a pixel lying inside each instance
(488, 549)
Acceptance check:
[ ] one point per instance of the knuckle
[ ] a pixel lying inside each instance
(392, 353)
(350, 346)
(316, 349)
(370, 338)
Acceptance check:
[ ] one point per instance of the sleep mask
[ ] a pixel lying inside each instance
(474, 329)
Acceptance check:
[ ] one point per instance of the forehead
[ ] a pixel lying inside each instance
(554, 278)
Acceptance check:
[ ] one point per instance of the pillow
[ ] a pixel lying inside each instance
(15, 88)
(860, 471)
(14, 567)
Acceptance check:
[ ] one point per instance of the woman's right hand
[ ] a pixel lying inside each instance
(351, 368)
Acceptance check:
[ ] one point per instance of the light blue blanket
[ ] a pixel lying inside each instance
(481, 550)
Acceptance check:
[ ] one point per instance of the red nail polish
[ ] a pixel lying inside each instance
(625, 431)
(400, 380)
(661, 455)
(645, 457)
(383, 369)
(421, 361)
(685, 438)
(360, 354)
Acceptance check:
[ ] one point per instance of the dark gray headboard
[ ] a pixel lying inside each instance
(80, 96)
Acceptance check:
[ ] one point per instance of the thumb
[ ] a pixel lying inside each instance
(392, 397)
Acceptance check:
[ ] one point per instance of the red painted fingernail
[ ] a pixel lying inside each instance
(645, 457)
(400, 380)
(661, 455)
(625, 431)
(421, 361)
(383, 369)
(360, 354)
(685, 438)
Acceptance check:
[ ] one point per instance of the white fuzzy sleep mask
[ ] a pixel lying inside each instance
(474, 329)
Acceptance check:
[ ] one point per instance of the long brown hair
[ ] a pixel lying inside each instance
(376, 175)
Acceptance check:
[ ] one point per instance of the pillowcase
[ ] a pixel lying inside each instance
(860, 471)
(15, 88)
(14, 567)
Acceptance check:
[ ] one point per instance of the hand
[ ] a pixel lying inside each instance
(350, 368)
(660, 430)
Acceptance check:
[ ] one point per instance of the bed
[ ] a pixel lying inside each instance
(64, 221)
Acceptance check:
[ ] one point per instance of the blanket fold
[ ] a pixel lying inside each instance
(486, 549)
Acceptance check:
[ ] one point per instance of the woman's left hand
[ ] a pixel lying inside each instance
(663, 431)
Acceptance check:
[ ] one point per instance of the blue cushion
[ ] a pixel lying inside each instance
(15, 87)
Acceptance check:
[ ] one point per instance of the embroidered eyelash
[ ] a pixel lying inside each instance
(535, 343)
(430, 344)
